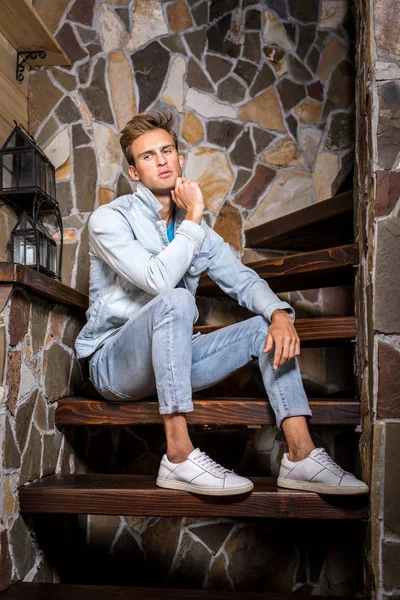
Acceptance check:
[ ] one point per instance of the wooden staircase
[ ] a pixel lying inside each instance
(48, 591)
(315, 266)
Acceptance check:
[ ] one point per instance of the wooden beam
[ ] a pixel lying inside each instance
(104, 494)
(308, 270)
(312, 331)
(5, 292)
(66, 591)
(24, 29)
(42, 285)
(215, 411)
(321, 225)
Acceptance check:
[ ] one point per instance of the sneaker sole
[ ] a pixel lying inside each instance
(336, 490)
(189, 487)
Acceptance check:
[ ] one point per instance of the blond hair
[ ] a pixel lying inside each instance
(140, 124)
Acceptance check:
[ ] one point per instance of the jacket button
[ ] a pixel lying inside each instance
(158, 223)
(192, 269)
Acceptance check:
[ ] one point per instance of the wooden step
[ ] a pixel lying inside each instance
(207, 411)
(322, 225)
(313, 331)
(138, 495)
(58, 591)
(308, 270)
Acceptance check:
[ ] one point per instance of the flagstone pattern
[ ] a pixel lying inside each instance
(252, 85)
(37, 366)
(262, 93)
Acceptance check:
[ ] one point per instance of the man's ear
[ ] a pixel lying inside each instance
(181, 160)
(133, 173)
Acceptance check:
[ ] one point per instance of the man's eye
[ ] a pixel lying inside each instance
(168, 150)
(147, 156)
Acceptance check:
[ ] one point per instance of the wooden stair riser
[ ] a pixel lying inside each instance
(320, 225)
(213, 411)
(323, 268)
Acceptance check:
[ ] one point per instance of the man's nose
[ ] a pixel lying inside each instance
(161, 160)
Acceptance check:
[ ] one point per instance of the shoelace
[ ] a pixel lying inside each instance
(208, 463)
(326, 460)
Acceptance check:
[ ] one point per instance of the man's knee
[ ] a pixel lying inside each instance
(179, 299)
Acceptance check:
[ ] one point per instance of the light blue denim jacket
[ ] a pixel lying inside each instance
(131, 261)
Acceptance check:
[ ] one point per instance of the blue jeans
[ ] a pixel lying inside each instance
(156, 352)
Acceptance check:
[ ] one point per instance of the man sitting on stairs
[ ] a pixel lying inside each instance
(147, 252)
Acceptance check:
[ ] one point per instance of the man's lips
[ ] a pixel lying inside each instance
(165, 173)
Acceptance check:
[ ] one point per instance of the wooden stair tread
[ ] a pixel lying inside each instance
(320, 225)
(312, 330)
(216, 411)
(320, 268)
(59, 591)
(138, 495)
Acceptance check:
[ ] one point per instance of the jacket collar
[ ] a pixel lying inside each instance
(153, 206)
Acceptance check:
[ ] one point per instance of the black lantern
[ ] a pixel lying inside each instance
(27, 184)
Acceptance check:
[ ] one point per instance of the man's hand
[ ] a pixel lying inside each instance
(283, 334)
(187, 195)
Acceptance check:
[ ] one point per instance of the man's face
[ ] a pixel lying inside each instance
(157, 162)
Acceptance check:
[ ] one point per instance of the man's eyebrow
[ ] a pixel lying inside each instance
(151, 151)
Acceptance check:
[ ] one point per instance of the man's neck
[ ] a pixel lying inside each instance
(167, 211)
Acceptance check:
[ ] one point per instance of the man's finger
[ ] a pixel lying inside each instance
(292, 350)
(285, 352)
(269, 343)
(297, 347)
(278, 352)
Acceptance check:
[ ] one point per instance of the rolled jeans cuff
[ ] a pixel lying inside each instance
(176, 409)
(293, 412)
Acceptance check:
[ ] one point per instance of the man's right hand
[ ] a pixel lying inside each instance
(188, 195)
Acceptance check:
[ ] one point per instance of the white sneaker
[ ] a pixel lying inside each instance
(201, 475)
(319, 473)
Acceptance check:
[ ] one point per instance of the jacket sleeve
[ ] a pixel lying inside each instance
(240, 282)
(113, 241)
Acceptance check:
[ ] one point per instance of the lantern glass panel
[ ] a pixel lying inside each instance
(26, 169)
(40, 172)
(30, 251)
(19, 249)
(53, 258)
(9, 172)
(18, 140)
(49, 181)
(43, 252)
(25, 222)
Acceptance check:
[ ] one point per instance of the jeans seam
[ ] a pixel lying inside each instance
(173, 394)
(283, 398)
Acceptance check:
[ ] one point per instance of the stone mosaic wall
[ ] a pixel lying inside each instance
(37, 366)
(262, 94)
(378, 306)
(263, 98)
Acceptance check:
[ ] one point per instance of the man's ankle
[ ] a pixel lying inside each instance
(179, 456)
(300, 454)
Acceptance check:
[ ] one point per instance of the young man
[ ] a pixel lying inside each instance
(147, 251)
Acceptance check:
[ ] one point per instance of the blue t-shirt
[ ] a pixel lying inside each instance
(170, 230)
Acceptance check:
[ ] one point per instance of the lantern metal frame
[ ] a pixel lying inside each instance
(33, 199)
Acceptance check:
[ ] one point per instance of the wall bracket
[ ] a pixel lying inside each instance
(22, 59)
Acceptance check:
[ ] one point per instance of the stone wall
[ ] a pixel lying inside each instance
(262, 94)
(263, 98)
(37, 366)
(378, 305)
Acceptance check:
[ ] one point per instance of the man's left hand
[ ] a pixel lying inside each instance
(283, 334)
